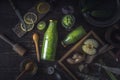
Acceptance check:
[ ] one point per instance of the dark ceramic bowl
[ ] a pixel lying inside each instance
(111, 5)
(23, 64)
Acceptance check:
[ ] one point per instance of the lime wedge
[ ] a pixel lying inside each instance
(29, 27)
(30, 18)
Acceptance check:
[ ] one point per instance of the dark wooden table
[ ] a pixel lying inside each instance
(10, 60)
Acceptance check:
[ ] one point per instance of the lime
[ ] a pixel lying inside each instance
(41, 25)
(30, 18)
(43, 7)
(29, 27)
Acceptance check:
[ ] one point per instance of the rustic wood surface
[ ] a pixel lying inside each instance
(9, 60)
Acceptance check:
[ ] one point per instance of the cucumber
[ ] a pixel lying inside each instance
(101, 13)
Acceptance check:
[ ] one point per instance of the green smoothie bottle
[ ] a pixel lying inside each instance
(50, 42)
(74, 36)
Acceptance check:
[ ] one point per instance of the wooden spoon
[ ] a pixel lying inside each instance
(28, 67)
(36, 39)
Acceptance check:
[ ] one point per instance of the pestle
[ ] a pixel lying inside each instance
(16, 47)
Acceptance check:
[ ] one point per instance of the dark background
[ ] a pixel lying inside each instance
(9, 60)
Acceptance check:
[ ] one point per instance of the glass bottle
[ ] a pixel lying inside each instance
(50, 42)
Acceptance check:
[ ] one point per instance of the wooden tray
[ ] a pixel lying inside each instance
(71, 68)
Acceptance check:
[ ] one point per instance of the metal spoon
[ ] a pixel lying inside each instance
(27, 68)
(18, 14)
(36, 39)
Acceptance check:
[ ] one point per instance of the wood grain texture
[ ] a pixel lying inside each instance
(9, 60)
